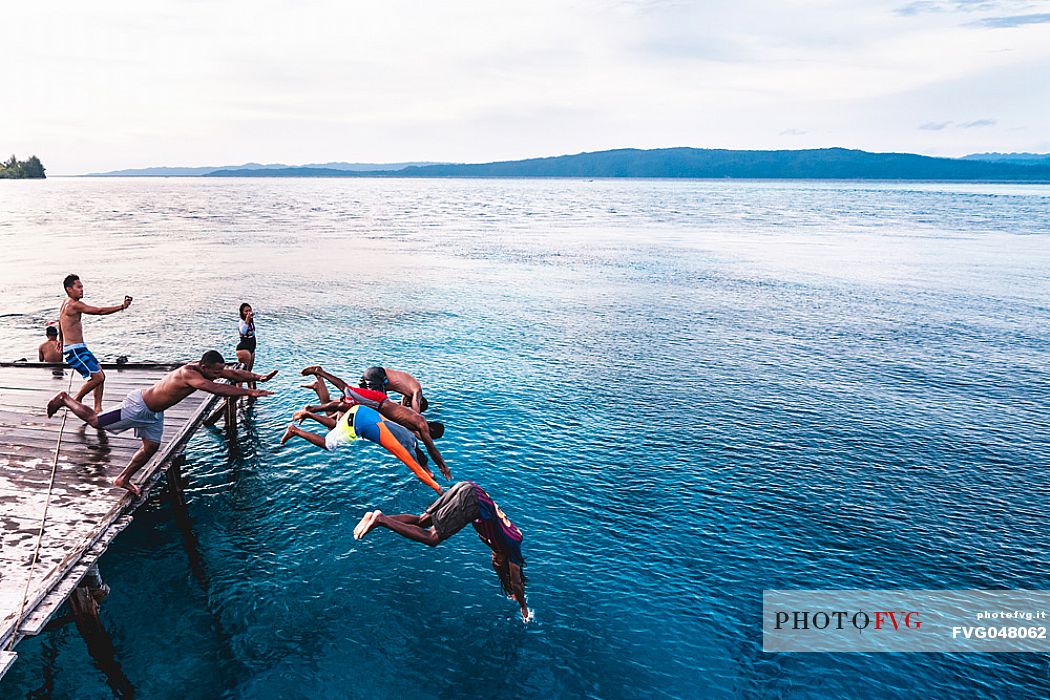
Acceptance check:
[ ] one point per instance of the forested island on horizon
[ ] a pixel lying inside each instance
(14, 169)
(695, 163)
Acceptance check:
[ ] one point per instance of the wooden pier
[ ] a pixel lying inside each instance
(84, 511)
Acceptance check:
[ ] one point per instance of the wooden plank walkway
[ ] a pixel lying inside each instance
(86, 511)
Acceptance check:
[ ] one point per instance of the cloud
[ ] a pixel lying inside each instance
(941, 126)
(793, 132)
(920, 7)
(1012, 21)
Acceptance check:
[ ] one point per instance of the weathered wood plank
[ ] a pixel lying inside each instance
(85, 510)
(6, 659)
(35, 623)
(32, 405)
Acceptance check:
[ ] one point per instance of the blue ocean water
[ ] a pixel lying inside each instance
(683, 392)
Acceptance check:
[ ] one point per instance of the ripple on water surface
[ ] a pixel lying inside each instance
(684, 393)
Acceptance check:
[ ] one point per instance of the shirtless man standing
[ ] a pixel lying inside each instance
(385, 379)
(143, 409)
(72, 335)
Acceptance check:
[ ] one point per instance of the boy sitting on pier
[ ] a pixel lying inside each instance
(51, 349)
(143, 409)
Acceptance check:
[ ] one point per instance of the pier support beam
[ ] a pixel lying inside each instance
(174, 473)
(231, 419)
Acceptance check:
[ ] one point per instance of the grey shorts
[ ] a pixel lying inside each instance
(457, 508)
(133, 413)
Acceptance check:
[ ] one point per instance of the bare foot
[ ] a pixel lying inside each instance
(367, 523)
(125, 483)
(57, 401)
(288, 433)
(361, 524)
(312, 369)
(299, 415)
(311, 385)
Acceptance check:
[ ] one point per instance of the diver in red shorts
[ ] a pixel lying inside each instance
(426, 431)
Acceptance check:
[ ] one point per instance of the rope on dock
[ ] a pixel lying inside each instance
(43, 522)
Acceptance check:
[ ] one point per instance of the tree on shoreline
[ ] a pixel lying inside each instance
(18, 169)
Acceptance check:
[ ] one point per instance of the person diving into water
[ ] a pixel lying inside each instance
(385, 379)
(362, 420)
(426, 431)
(464, 503)
(143, 409)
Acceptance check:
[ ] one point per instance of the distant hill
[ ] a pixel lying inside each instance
(823, 163)
(1018, 158)
(206, 170)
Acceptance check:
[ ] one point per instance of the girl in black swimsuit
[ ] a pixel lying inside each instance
(246, 348)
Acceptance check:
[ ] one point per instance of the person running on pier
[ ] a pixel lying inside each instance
(464, 503)
(385, 379)
(143, 409)
(51, 349)
(71, 333)
(426, 431)
(361, 420)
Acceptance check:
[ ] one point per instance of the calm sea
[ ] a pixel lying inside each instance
(683, 392)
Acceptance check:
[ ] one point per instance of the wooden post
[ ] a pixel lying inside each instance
(231, 418)
(175, 479)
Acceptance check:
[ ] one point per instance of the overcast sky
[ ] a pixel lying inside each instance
(108, 85)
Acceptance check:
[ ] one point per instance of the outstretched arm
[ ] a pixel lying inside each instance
(240, 375)
(100, 310)
(199, 382)
(417, 401)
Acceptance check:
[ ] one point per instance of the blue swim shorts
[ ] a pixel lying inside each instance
(80, 358)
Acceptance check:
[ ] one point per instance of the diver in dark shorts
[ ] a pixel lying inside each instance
(465, 503)
(385, 379)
